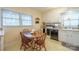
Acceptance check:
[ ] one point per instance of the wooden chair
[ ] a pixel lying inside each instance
(37, 32)
(26, 30)
(26, 42)
(40, 42)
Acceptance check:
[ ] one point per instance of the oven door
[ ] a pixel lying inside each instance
(54, 34)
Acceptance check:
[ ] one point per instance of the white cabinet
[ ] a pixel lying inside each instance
(69, 36)
(75, 38)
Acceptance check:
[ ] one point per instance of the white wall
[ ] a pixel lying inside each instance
(53, 15)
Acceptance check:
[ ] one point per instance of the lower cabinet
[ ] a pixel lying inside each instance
(69, 36)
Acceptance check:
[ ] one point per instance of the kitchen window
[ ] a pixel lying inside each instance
(71, 20)
(11, 18)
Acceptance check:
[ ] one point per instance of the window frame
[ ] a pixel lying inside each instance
(20, 19)
(70, 21)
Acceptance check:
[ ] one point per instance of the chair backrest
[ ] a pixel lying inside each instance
(37, 33)
(44, 36)
(26, 30)
(24, 39)
(41, 39)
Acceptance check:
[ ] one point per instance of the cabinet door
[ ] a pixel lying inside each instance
(75, 38)
(66, 36)
(62, 36)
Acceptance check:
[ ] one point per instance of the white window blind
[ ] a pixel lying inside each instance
(71, 19)
(26, 20)
(10, 18)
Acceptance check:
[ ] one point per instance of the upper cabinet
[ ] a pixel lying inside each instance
(70, 19)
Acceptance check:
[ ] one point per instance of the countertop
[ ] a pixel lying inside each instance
(69, 29)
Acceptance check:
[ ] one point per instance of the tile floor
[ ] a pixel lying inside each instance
(51, 45)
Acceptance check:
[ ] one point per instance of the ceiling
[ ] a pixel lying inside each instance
(42, 9)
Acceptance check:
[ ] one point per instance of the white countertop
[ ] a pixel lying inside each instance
(69, 29)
